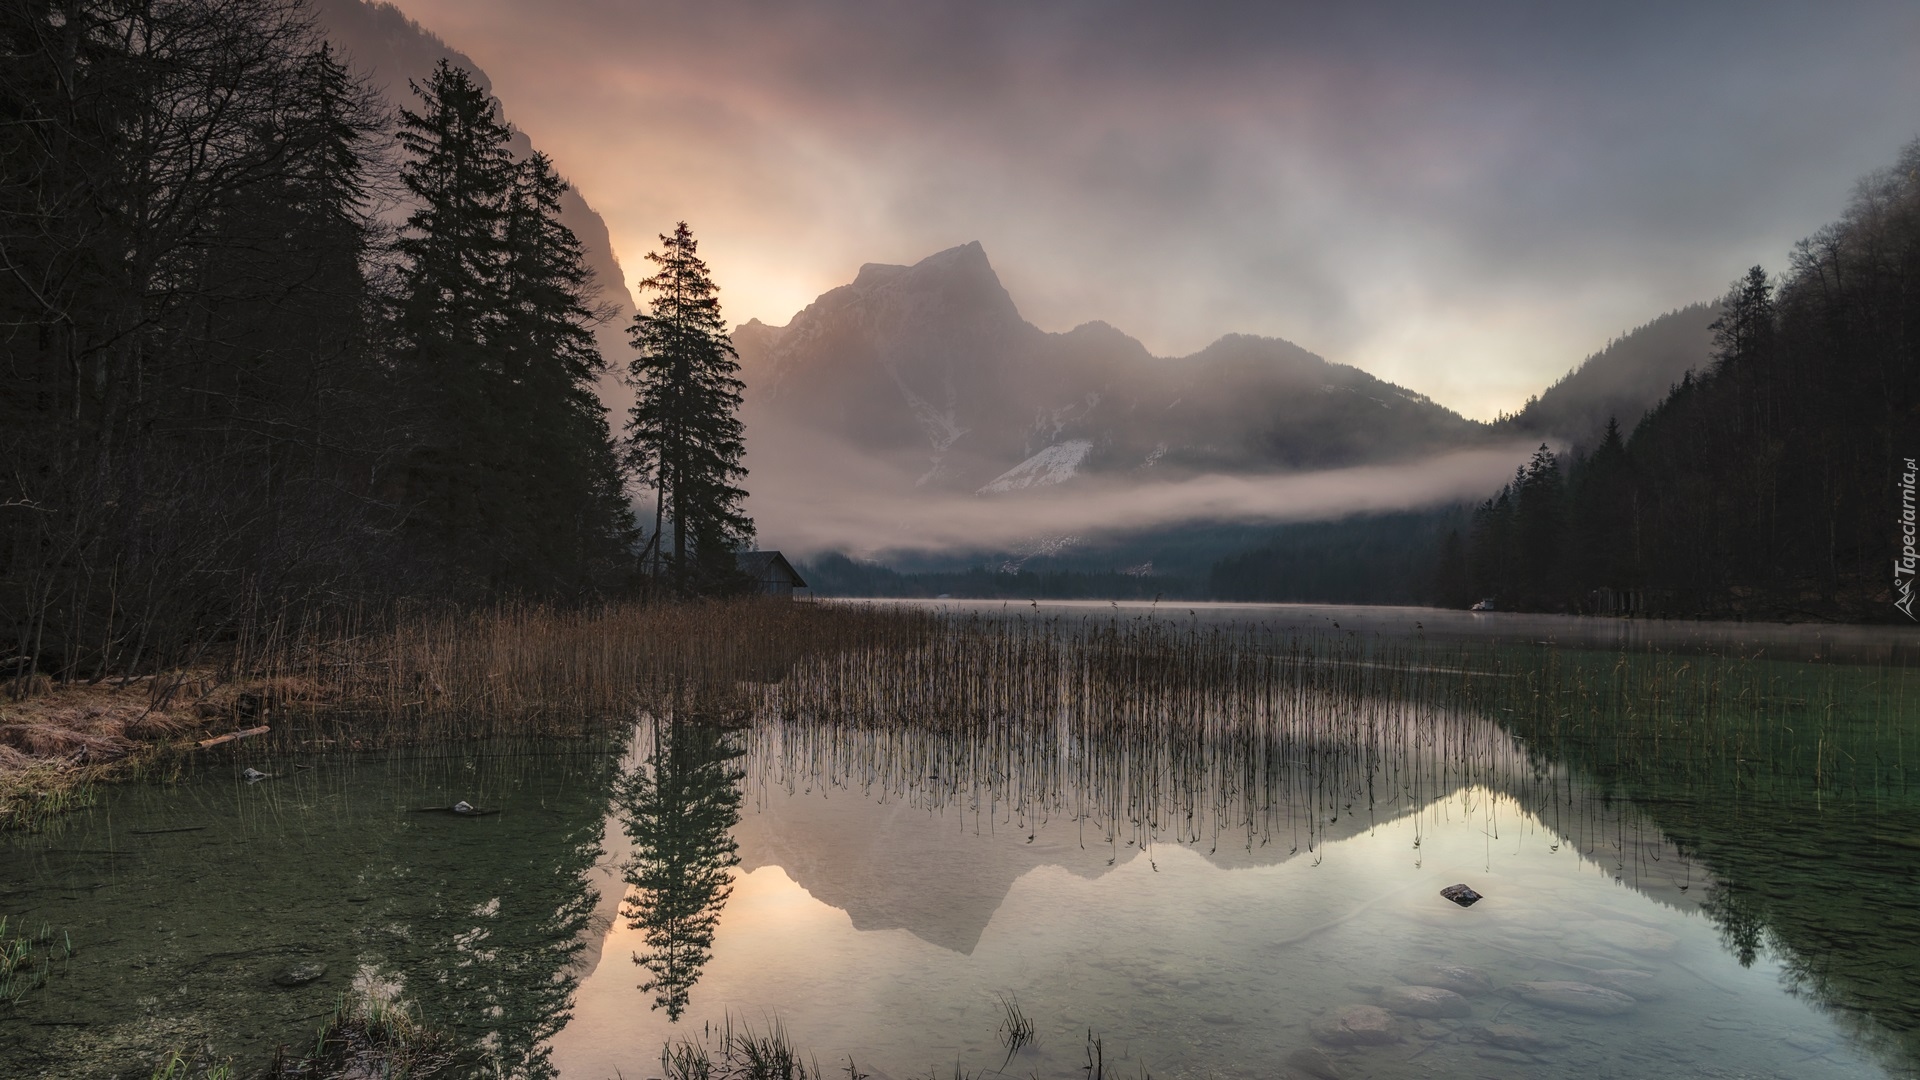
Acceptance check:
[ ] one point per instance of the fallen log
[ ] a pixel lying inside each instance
(231, 736)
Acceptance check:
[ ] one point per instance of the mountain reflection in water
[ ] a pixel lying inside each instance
(1600, 859)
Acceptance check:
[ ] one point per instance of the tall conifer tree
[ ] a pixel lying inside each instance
(684, 436)
(569, 477)
(459, 172)
(518, 478)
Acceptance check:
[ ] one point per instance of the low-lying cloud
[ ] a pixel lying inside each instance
(863, 510)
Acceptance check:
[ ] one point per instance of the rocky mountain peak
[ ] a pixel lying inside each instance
(931, 369)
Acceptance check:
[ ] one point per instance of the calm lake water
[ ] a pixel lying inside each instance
(1203, 896)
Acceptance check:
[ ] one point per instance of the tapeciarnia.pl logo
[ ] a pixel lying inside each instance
(1903, 567)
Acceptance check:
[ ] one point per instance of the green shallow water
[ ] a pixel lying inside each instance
(179, 935)
(894, 887)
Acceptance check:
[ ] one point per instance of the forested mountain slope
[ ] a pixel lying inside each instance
(1777, 482)
(1622, 381)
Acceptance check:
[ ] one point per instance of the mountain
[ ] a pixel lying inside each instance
(388, 49)
(1622, 381)
(931, 371)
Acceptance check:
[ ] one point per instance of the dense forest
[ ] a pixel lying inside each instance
(1369, 559)
(1374, 559)
(1769, 485)
(275, 346)
(835, 574)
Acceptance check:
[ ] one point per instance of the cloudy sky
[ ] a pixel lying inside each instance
(1465, 198)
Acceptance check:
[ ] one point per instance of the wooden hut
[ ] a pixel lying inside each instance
(772, 574)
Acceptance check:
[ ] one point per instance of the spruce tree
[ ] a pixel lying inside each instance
(568, 476)
(1490, 561)
(516, 480)
(460, 173)
(684, 436)
(1603, 545)
(1539, 519)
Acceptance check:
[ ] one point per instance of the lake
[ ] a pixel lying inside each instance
(1062, 842)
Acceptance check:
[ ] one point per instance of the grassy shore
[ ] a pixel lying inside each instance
(58, 741)
(415, 677)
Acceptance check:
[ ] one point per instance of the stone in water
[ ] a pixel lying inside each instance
(1355, 1025)
(1455, 977)
(1314, 1062)
(1430, 1002)
(300, 974)
(1638, 985)
(1575, 997)
(1460, 894)
(1633, 937)
(1515, 1037)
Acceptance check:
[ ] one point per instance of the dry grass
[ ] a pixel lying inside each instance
(535, 671)
(541, 671)
(57, 741)
(521, 670)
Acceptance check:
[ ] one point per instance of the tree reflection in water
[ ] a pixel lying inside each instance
(679, 808)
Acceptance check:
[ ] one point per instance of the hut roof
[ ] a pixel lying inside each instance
(768, 566)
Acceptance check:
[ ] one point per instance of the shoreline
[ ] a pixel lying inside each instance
(58, 742)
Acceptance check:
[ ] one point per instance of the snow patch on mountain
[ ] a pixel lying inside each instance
(1055, 464)
(1041, 547)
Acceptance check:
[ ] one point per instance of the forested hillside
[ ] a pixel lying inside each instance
(1625, 379)
(232, 395)
(1373, 559)
(1767, 485)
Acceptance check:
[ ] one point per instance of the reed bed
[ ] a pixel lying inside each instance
(741, 1053)
(1143, 734)
(1009, 681)
(1127, 723)
(541, 671)
(533, 670)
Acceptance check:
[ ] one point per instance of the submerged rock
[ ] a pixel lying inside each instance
(1431, 1002)
(1633, 937)
(300, 974)
(1575, 997)
(1461, 894)
(1355, 1025)
(1635, 984)
(1455, 977)
(1314, 1062)
(1516, 1037)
